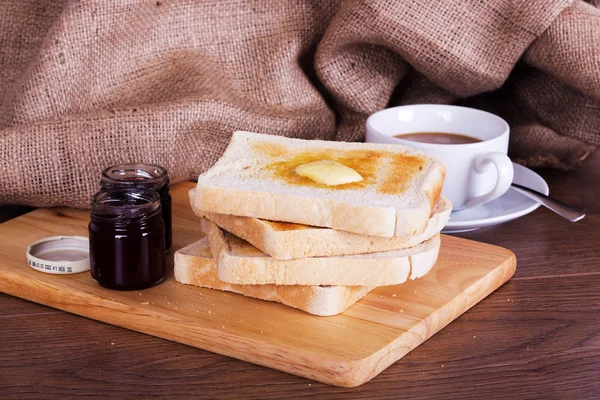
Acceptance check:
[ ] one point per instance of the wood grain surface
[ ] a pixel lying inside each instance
(537, 337)
(343, 350)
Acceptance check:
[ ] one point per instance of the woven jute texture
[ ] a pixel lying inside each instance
(86, 84)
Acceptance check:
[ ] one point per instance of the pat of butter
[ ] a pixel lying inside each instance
(328, 172)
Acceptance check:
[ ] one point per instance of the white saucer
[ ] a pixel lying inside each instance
(505, 208)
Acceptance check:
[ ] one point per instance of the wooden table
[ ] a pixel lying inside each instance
(536, 337)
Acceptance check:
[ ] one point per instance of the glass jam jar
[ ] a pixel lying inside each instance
(147, 176)
(127, 239)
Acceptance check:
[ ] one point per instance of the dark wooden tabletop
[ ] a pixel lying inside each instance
(538, 336)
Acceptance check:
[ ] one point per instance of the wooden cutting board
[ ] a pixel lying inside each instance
(343, 350)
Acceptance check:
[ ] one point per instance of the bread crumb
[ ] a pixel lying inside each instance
(474, 337)
(146, 302)
(394, 295)
(414, 291)
(442, 365)
(309, 384)
(112, 343)
(401, 311)
(210, 312)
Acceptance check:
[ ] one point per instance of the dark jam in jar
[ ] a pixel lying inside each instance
(146, 176)
(127, 239)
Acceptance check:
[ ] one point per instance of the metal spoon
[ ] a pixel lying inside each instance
(571, 213)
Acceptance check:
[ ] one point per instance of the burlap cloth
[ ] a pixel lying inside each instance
(85, 84)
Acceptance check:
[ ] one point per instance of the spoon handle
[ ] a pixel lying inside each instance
(571, 213)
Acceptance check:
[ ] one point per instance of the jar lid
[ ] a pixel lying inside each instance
(60, 255)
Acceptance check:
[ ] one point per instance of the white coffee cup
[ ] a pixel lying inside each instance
(475, 172)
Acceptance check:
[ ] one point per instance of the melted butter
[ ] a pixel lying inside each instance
(288, 226)
(328, 172)
(401, 169)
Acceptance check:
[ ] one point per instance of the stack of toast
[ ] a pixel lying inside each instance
(315, 225)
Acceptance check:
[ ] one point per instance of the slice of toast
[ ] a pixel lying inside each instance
(194, 265)
(256, 177)
(240, 262)
(286, 241)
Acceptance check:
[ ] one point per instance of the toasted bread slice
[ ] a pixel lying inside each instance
(286, 241)
(194, 265)
(240, 262)
(256, 178)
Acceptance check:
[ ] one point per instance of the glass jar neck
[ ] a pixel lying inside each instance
(148, 176)
(125, 206)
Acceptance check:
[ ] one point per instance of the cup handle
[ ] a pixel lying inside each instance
(505, 176)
